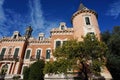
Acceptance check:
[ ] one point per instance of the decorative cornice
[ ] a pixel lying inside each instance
(57, 30)
(83, 11)
(9, 39)
(47, 40)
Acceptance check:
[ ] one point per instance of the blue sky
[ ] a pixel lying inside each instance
(43, 15)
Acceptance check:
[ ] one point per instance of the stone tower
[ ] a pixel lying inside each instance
(85, 21)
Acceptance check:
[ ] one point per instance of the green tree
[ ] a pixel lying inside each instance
(79, 53)
(56, 67)
(113, 57)
(36, 70)
(26, 71)
(49, 68)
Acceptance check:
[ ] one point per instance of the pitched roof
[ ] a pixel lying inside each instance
(82, 7)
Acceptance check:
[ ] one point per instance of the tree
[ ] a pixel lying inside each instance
(113, 56)
(36, 70)
(79, 53)
(49, 68)
(26, 71)
(56, 67)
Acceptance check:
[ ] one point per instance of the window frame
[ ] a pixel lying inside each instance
(87, 20)
(4, 52)
(14, 56)
(60, 42)
(26, 53)
(49, 54)
(36, 53)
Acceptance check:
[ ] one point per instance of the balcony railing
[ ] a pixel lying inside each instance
(33, 58)
(9, 57)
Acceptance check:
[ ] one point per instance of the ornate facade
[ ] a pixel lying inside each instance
(18, 51)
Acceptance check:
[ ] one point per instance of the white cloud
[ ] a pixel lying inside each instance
(36, 17)
(39, 24)
(2, 16)
(3, 29)
(114, 9)
(11, 21)
(15, 22)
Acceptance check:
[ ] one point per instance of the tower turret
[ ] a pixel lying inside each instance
(85, 21)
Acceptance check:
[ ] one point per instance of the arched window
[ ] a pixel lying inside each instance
(87, 20)
(16, 53)
(48, 54)
(38, 54)
(2, 53)
(27, 54)
(58, 44)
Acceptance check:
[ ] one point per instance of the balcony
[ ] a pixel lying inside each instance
(33, 58)
(9, 58)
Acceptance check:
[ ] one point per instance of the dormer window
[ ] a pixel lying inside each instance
(41, 36)
(62, 27)
(15, 36)
(87, 20)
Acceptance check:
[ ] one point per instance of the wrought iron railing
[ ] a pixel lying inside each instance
(9, 57)
(34, 58)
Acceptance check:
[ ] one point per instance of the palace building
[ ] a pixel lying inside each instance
(18, 51)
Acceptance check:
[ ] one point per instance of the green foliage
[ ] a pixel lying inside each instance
(89, 48)
(93, 47)
(59, 66)
(26, 71)
(36, 70)
(105, 36)
(96, 67)
(113, 64)
(49, 67)
(113, 57)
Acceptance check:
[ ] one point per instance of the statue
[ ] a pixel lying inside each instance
(28, 32)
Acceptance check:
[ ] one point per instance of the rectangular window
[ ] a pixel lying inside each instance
(38, 54)
(58, 44)
(16, 53)
(2, 53)
(27, 54)
(87, 20)
(62, 27)
(48, 54)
